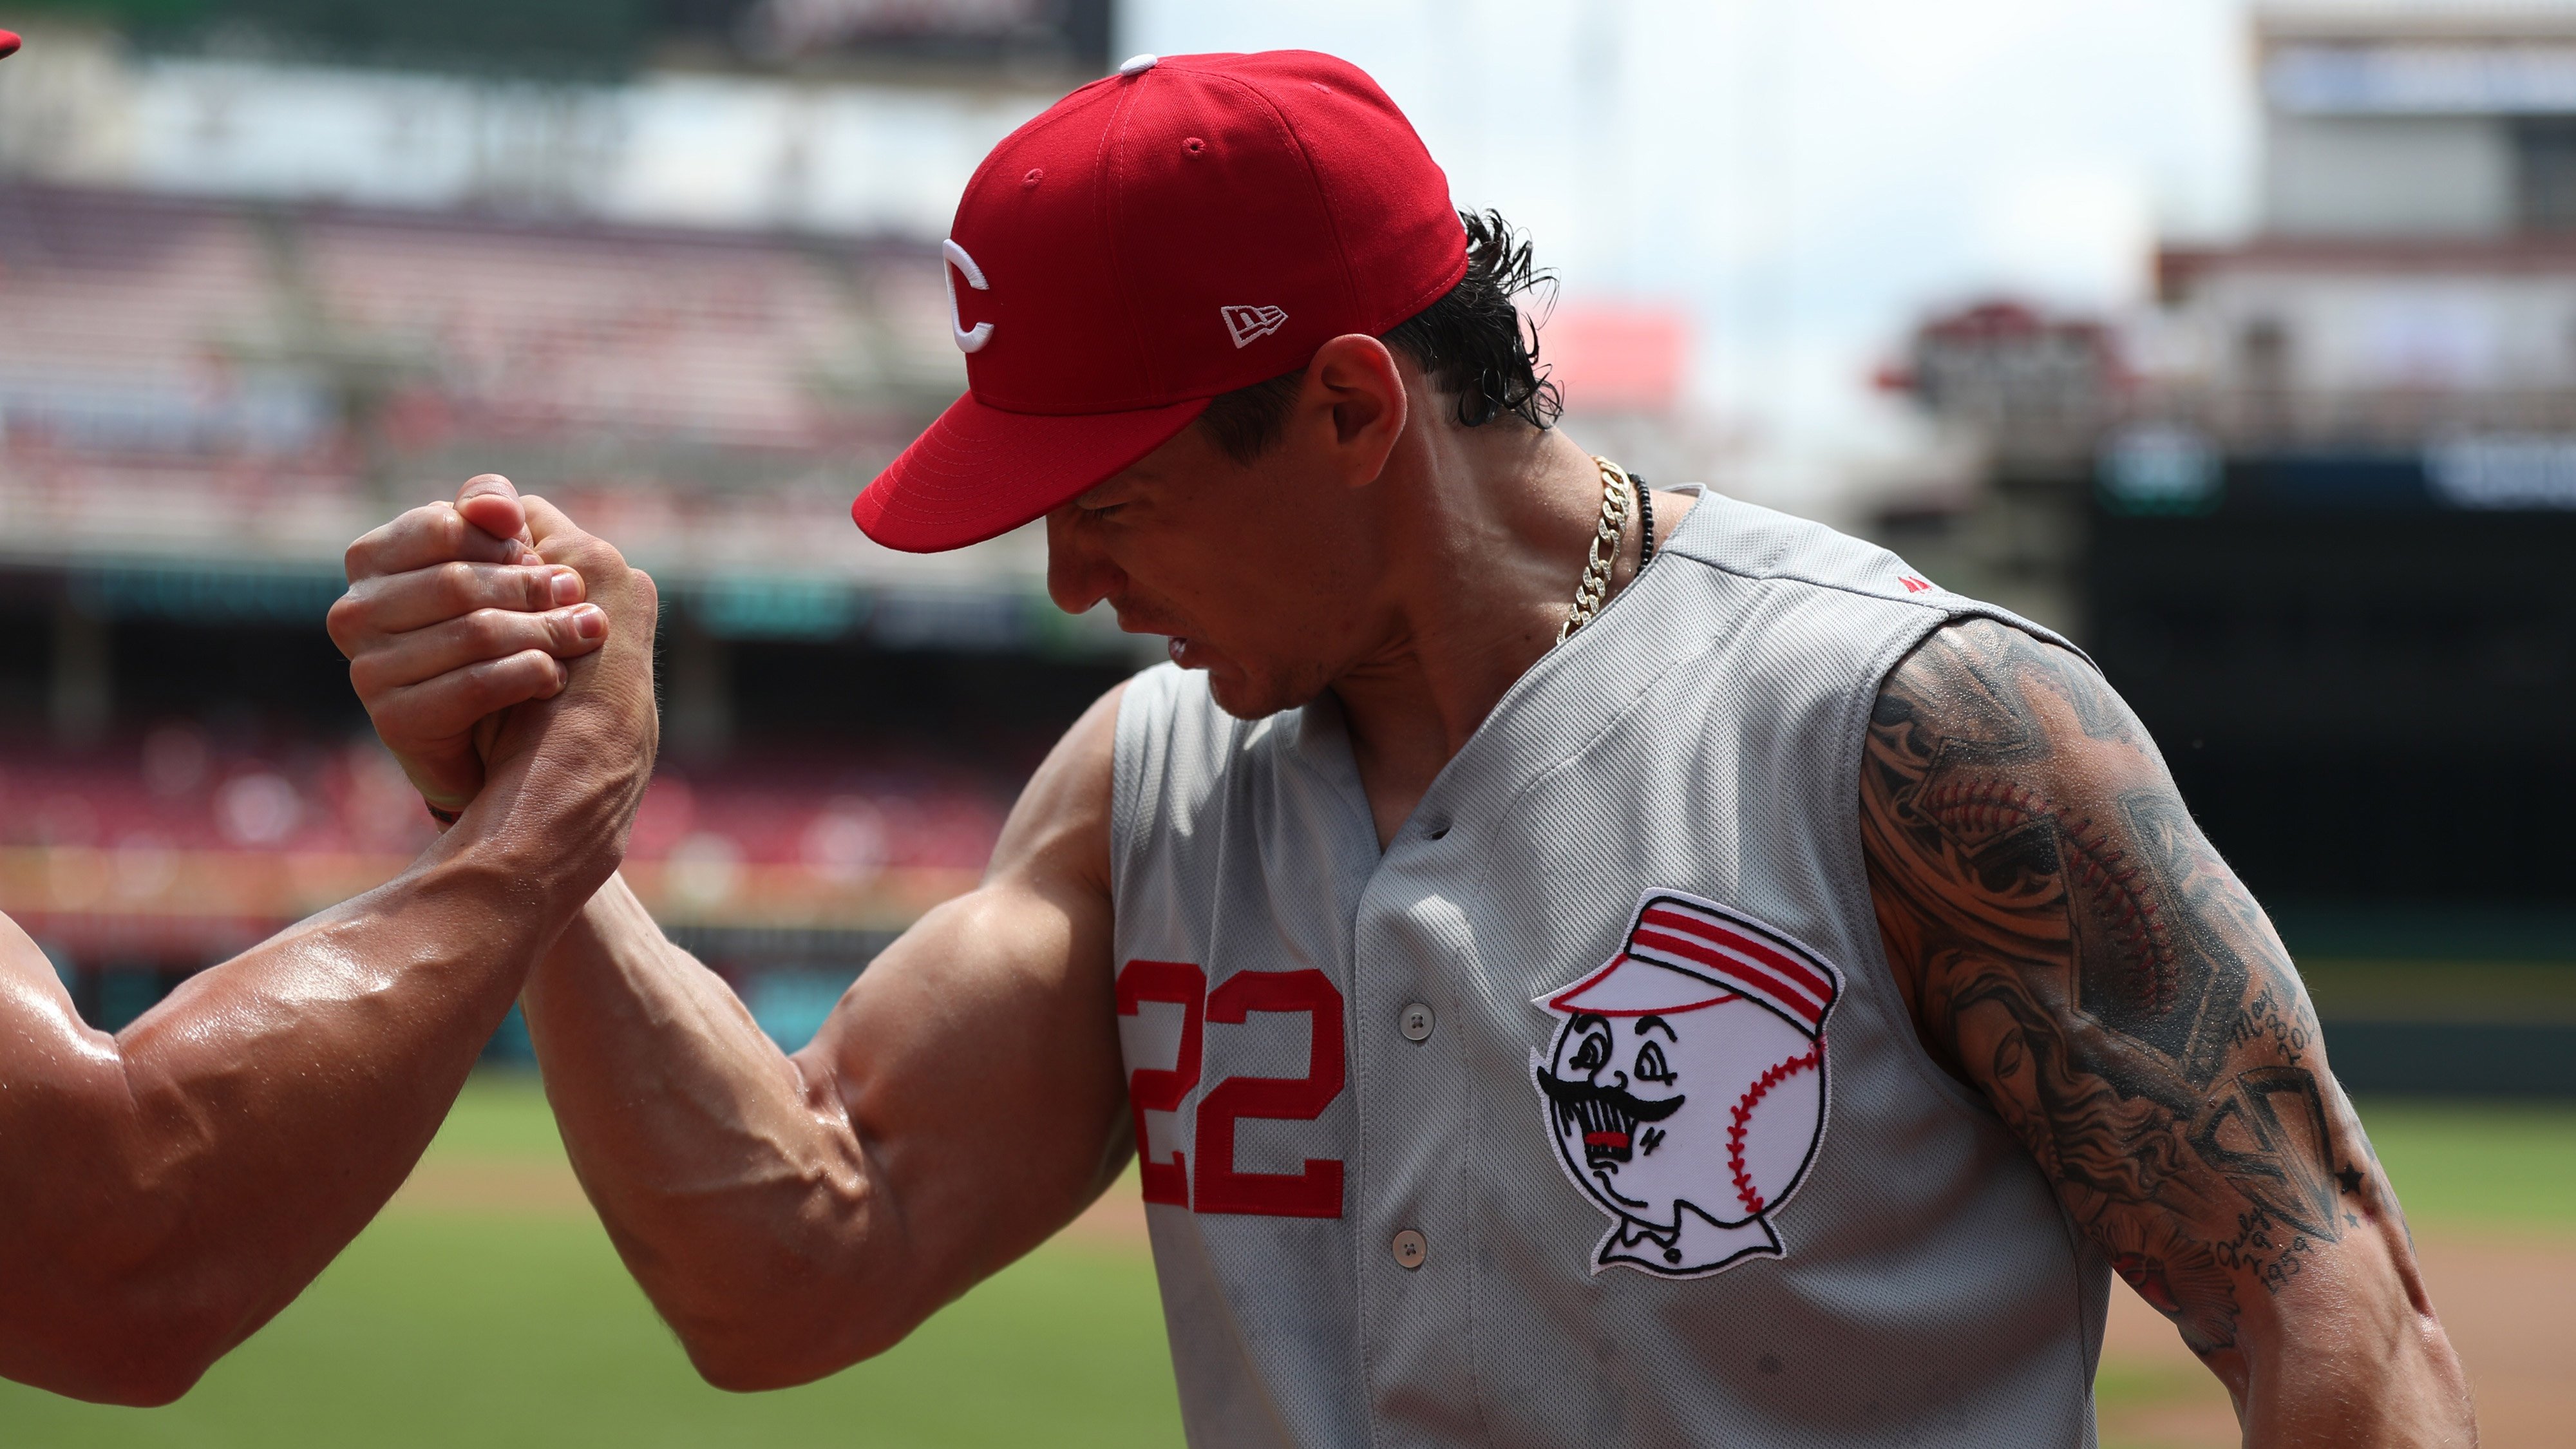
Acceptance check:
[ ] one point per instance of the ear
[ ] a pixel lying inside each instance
(1354, 381)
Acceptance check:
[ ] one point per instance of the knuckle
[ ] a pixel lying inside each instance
(478, 690)
(489, 630)
(509, 681)
(344, 619)
(436, 522)
(455, 580)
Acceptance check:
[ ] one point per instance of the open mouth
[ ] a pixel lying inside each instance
(1606, 1117)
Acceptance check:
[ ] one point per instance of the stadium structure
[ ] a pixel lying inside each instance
(2312, 513)
(214, 374)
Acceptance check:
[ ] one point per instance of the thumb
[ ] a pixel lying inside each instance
(544, 519)
(489, 503)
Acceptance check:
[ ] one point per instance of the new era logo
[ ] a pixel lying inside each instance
(1250, 323)
(1916, 583)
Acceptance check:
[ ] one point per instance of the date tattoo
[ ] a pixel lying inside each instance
(2075, 950)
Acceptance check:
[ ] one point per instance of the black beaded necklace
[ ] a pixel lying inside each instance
(1645, 521)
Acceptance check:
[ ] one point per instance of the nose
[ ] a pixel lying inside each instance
(1079, 574)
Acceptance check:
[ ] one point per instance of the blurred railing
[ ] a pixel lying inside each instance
(163, 850)
(2379, 419)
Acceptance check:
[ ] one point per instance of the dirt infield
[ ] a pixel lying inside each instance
(533, 1187)
(2509, 1302)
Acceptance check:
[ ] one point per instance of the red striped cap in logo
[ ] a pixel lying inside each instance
(1683, 953)
(1188, 226)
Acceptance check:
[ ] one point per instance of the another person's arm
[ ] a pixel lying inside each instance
(790, 1215)
(165, 1190)
(2075, 950)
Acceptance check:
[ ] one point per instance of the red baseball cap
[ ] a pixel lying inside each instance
(8, 43)
(1188, 226)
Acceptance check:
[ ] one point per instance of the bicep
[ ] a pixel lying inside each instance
(64, 1082)
(978, 1057)
(66, 1185)
(2076, 950)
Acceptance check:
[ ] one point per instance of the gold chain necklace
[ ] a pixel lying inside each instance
(1594, 588)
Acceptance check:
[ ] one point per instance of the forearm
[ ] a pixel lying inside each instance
(2345, 1348)
(184, 1181)
(734, 1187)
(2350, 1354)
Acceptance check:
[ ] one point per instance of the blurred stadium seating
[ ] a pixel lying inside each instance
(154, 854)
(202, 402)
(103, 843)
(178, 369)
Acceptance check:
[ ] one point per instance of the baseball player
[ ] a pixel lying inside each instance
(167, 1189)
(1576, 963)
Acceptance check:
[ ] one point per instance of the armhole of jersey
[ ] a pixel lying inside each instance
(1134, 771)
(1969, 610)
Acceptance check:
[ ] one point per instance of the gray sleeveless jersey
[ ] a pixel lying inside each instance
(1587, 1111)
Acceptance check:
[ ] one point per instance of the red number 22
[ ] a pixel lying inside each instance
(1313, 1192)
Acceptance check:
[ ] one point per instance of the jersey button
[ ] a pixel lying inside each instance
(1415, 1022)
(1411, 1248)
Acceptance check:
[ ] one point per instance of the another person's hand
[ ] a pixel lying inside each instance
(454, 615)
(582, 755)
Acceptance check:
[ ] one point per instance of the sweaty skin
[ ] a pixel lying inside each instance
(169, 1188)
(792, 1214)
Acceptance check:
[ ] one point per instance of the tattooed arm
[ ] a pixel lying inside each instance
(2074, 950)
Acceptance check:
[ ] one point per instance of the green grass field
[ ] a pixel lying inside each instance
(455, 1327)
(493, 1327)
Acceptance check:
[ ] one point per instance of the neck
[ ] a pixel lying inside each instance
(1490, 545)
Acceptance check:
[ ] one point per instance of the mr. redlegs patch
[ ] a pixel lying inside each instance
(1686, 1090)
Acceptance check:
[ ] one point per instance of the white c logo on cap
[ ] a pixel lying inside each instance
(956, 257)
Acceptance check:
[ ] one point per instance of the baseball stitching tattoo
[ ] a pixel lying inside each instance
(2075, 950)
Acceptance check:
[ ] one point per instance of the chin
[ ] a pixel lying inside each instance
(1248, 696)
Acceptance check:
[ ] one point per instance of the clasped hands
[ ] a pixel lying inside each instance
(495, 644)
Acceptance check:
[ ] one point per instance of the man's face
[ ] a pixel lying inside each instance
(1264, 574)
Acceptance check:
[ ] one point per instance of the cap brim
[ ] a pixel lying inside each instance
(980, 472)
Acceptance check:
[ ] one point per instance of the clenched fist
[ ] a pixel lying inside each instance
(492, 632)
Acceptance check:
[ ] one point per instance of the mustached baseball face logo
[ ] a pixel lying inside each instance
(1685, 1091)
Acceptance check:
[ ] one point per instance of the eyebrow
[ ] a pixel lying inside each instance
(1658, 1024)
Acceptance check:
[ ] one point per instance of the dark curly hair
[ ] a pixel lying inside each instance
(1473, 344)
